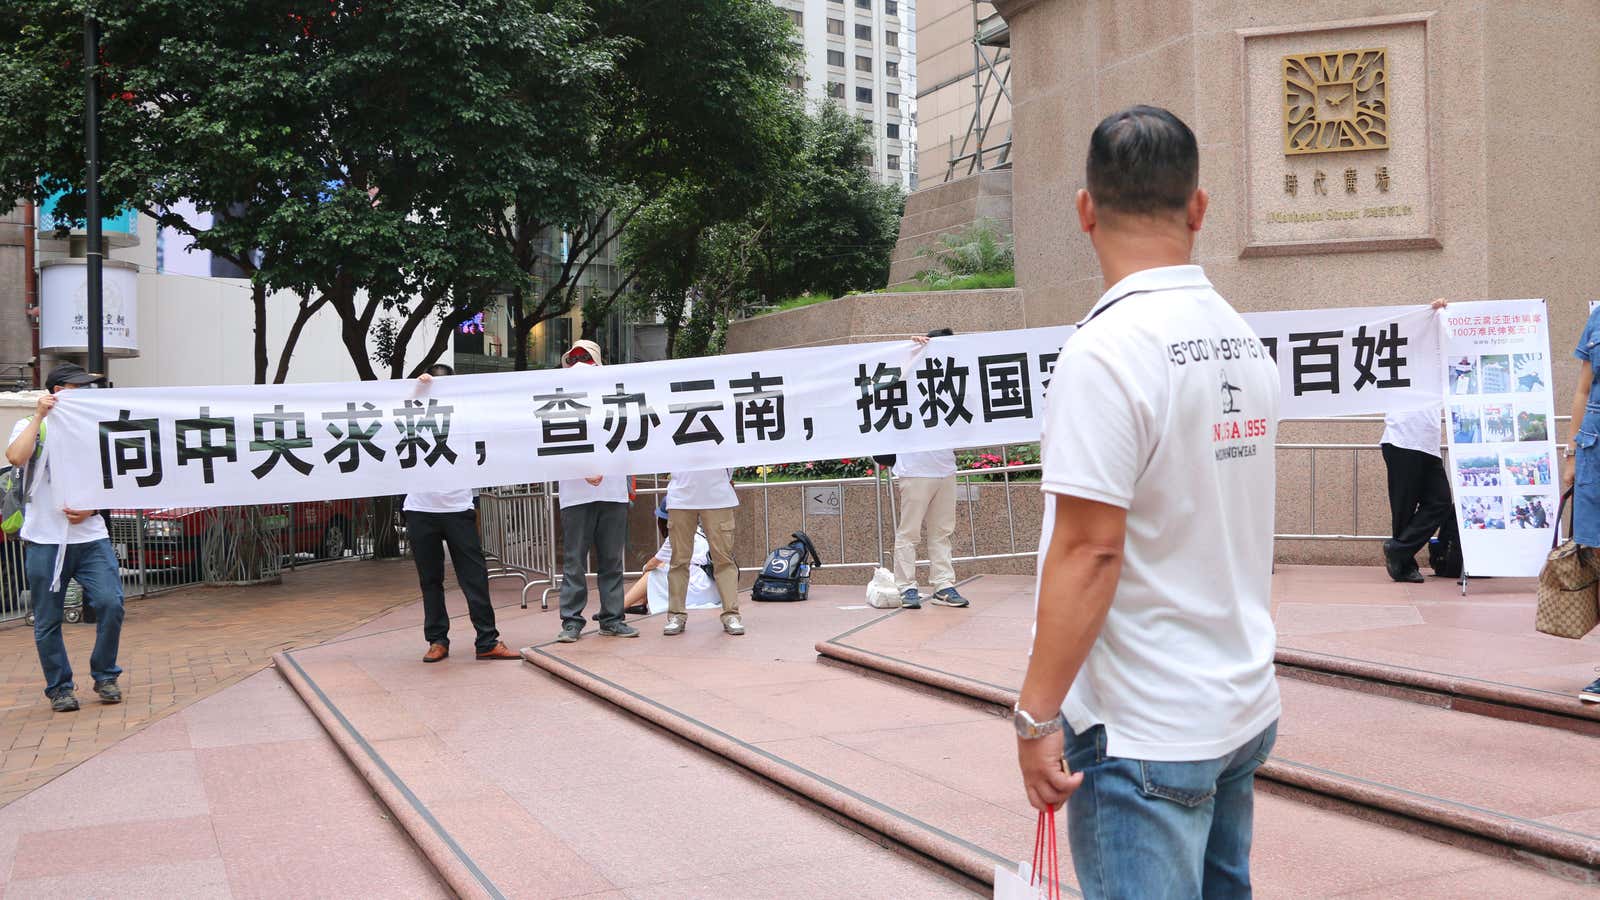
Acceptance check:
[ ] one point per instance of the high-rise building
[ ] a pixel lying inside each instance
(966, 66)
(862, 54)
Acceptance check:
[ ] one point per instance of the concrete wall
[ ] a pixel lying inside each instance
(944, 209)
(16, 341)
(1512, 198)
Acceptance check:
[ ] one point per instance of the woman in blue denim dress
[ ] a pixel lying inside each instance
(1583, 472)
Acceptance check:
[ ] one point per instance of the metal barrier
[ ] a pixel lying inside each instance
(1356, 450)
(517, 527)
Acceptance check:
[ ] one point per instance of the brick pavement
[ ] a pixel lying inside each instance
(178, 648)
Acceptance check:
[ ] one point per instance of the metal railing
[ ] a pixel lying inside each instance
(1356, 450)
(165, 549)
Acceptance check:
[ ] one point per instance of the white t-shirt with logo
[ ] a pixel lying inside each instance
(1415, 429)
(44, 521)
(926, 464)
(1166, 405)
(703, 489)
(439, 501)
(576, 491)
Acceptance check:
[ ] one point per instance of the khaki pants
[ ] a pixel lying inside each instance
(930, 500)
(719, 525)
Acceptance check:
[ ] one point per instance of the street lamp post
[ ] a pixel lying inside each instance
(91, 136)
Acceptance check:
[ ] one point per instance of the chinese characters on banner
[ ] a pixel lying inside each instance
(148, 447)
(1500, 423)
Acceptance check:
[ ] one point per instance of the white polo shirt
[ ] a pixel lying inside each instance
(577, 491)
(928, 464)
(705, 489)
(1415, 429)
(1166, 404)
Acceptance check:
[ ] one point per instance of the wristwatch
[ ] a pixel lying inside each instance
(1029, 730)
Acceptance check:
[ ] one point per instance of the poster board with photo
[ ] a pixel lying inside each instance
(1501, 433)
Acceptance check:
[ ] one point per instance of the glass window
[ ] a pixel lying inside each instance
(892, 130)
(863, 63)
(863, 4)
(836, 89)
(891, 8)
(891, 69)
(864, 33)
(836, 26)
(798, 17)
(891, 38)
(894, 162)
(798, 83)
(891, 100)
(836, 58)
(863, 95)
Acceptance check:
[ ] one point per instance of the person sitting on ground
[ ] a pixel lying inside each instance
(648, 595)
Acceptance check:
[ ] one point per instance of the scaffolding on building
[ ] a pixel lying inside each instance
(991, 81)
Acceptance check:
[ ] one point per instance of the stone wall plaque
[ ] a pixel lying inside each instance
(1336, 131)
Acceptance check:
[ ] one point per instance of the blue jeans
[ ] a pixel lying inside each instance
(1150, 830)
(94, 565)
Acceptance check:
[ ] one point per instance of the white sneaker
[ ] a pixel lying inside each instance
(733, 625)
(676, 622)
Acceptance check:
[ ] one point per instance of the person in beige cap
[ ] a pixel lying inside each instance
(594, 516)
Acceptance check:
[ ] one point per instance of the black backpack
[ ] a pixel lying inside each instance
(787, 574)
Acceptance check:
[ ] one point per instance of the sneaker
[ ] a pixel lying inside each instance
(108, 691)
(910, 599)
(949, 597)
(1591, 694)
(732, 624)
(570, 632)
(619, 630)
(676, 622)
(64, 701)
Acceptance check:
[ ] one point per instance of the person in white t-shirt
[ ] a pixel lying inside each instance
(594, 516)
(927, 498)
(702, 500)
(62, 544)
(435, 519)
(1150, 697)
(1420, 502)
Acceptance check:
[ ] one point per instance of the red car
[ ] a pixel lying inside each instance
(205, 542)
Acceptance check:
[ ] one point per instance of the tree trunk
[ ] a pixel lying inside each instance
(258, 297)
(307, 310)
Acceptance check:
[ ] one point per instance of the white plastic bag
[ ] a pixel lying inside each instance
(882, 592)
(1013, 884)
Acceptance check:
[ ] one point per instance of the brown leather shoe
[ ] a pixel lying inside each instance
(500, 651)
(436, 652)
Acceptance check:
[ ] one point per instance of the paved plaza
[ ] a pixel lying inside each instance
(835, 751)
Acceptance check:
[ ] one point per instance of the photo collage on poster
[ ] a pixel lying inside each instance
(1498, 420)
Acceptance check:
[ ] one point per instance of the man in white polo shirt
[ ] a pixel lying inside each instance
(1150, 698)
(435, 519)
(705, 500)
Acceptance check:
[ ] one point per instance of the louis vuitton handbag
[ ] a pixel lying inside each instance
(1568, 585)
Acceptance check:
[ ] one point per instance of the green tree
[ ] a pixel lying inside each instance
(352, 151)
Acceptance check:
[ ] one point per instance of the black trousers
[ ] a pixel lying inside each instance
(428, 534)
(1420, 505)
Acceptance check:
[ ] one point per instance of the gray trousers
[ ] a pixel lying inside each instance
(602, 527)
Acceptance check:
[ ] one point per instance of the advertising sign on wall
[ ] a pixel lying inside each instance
(64, 307)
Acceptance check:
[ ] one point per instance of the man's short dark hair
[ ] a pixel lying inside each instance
(1142, 160)
(439, 370)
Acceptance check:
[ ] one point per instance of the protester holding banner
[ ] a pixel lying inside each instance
(927, 497)
(1582, 476)
(1420, 502)
(702, 499)
(434, 520)
(1153, 644)
(62, 544)
(594, 515)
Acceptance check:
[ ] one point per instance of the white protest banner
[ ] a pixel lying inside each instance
(149, 447)
(1501, 419)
